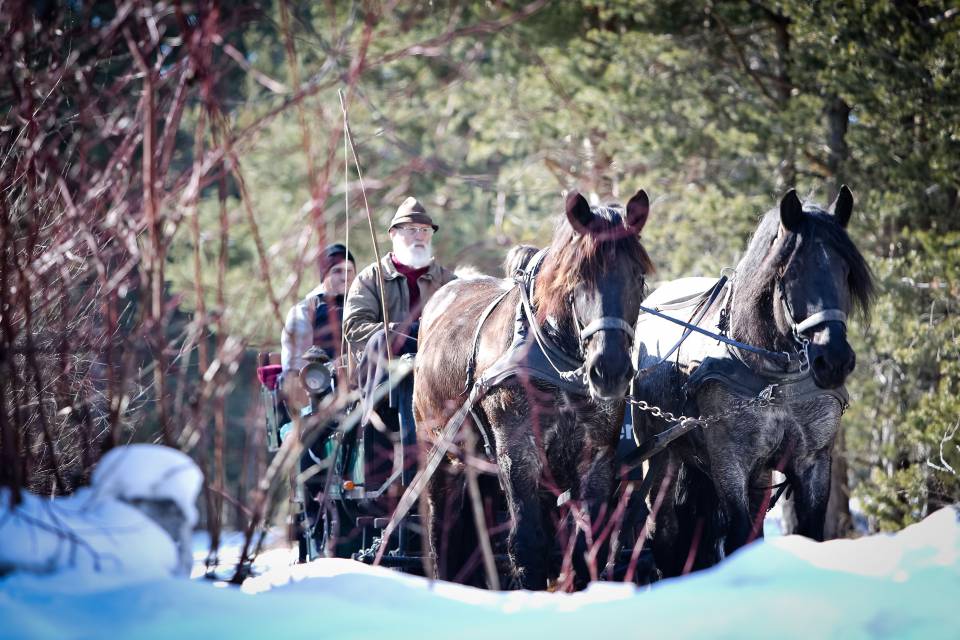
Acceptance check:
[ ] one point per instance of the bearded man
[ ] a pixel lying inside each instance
(410, 278)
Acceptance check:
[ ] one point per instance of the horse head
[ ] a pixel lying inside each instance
(821, 279)
(592, 286)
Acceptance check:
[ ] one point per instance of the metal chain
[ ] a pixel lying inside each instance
(657, 412)
(763, 400)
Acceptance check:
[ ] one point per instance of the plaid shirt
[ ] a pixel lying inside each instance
(299, 331)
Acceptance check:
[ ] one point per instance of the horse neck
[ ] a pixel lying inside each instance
(752, 322)
(563, 333)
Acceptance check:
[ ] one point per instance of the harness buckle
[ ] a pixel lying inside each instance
(804, 354)
(766, 396)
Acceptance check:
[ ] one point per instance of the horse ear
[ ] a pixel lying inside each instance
(791, 211)
(578, 212)
(842, 207)
(637, 211)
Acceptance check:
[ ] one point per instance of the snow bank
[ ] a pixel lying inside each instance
(148, 471)
(903, 585)
(134, 521)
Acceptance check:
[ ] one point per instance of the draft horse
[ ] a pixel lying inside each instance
(548, 436)
(790, 295)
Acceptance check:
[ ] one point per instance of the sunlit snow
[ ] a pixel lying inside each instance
(901, 585)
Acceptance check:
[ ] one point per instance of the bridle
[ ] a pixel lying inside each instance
(584, 333)
(603, 323)
(798, 329)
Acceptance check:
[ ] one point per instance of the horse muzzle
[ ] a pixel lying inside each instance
(609, 369)
(832, 359)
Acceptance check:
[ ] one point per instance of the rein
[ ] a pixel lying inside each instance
(778, 356)
(797, 330)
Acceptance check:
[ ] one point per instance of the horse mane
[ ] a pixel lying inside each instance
(517, 258)
(574, 258)
(767, 255)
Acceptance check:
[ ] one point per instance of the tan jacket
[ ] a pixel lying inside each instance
(362, 315)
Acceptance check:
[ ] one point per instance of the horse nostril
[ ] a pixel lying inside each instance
(596, 374)
(820, 363)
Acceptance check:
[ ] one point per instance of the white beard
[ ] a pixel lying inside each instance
(412, 256)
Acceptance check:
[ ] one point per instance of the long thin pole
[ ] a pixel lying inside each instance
(373, 235)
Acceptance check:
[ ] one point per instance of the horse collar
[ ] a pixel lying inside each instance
(765, 388)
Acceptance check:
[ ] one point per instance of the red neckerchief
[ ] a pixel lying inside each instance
(411, 274)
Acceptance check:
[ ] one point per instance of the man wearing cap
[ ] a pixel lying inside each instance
(410, 278)
(315, 320)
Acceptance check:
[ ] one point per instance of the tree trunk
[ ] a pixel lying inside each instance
(838, 522)
(837, 114)
(787, 171)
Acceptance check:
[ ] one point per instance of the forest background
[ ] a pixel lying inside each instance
(169, 172)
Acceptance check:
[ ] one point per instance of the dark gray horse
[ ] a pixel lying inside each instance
(790, 294)
(546, 440)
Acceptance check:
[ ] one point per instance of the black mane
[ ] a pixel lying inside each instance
(767, 255)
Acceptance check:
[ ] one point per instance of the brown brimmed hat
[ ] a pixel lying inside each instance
(411, 211)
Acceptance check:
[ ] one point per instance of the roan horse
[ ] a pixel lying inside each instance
(791, 293)
(546, 439)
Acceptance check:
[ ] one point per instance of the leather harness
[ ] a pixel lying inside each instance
(796, 384)
(532, 353)
(772, 387)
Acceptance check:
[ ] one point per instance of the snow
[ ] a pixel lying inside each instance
(275, 554)
(902, 585)
(132, 523)
(83, 534)
(146, 471)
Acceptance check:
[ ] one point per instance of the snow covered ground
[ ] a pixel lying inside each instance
(902, 585)
(141, 497)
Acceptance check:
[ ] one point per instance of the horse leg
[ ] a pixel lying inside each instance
(595, 490)
(697, 520)
(526, 544)
(811, 490)
(444, 516)
(549, 520)
(730, 481)
(663, 516)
